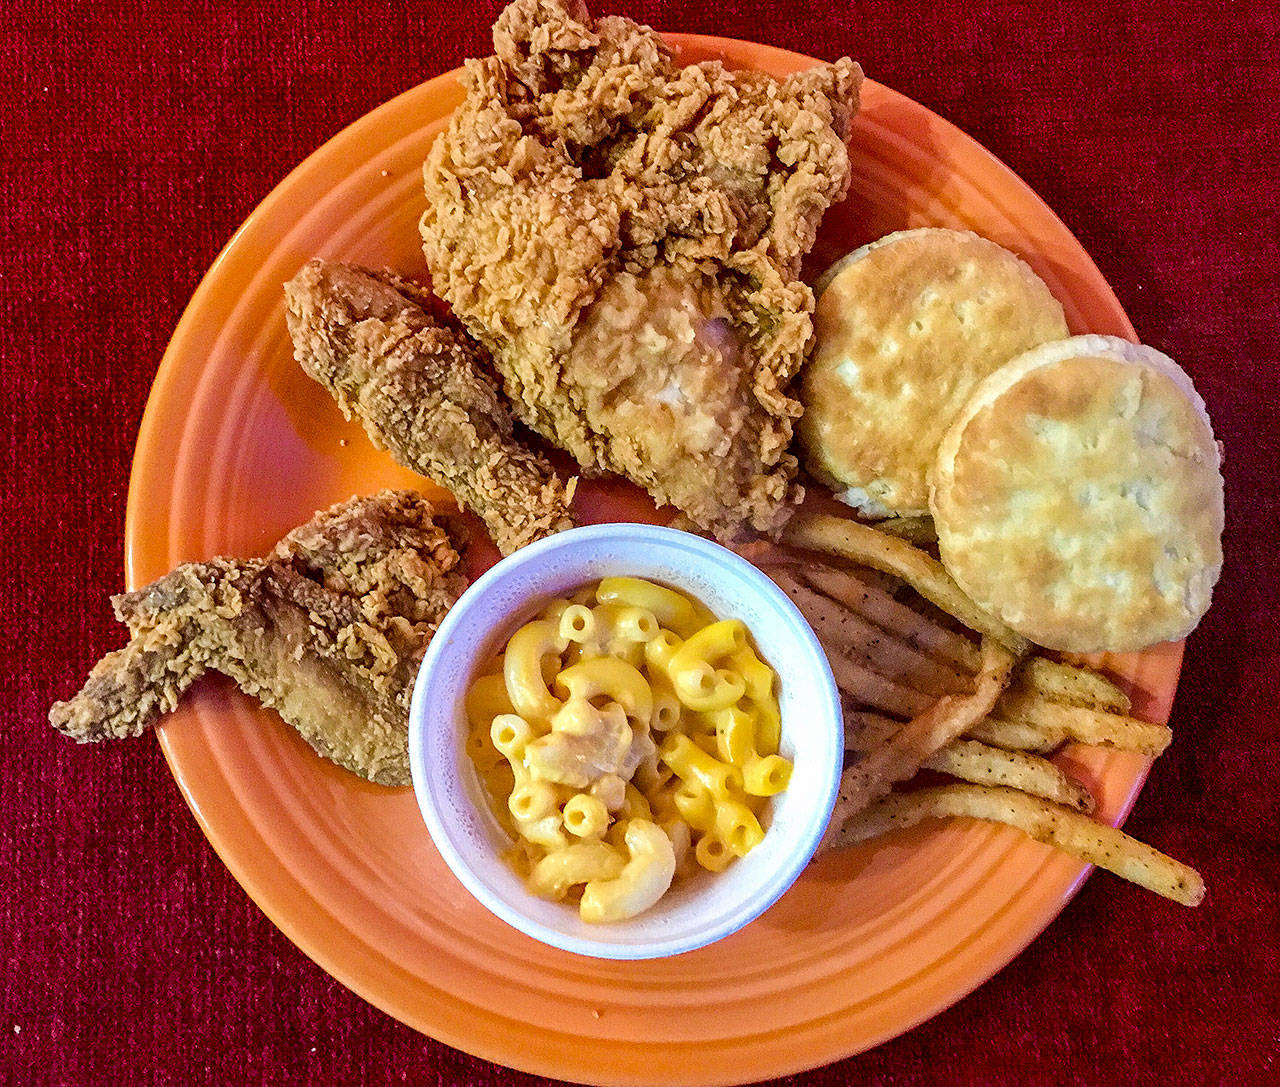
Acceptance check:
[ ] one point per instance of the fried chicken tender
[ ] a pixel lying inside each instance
(328, 630)
(421, 393)
(625, 237)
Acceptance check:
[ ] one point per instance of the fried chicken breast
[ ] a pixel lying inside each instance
(422, 393)
(625, 237)
(328, 630)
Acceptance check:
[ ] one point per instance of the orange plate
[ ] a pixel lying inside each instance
(237, 446)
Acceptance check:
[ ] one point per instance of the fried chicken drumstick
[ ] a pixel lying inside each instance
(421, 393)
(329, 630)
(625, 236)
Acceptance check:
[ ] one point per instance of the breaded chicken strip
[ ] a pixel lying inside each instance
(328, 630)
(422, 394)
(625, 237)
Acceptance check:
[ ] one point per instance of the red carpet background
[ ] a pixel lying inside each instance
(137, 137)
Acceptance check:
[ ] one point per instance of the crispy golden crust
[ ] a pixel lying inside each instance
(904, 330)
(328, 630)
(422, 393)
(1078, 497)
(590, 189)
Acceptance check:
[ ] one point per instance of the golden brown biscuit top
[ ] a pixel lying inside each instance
(1080, 500)
(904, 330)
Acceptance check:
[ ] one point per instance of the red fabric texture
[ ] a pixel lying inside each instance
(138, 136)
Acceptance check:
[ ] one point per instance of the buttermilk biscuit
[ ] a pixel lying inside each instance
(904, 329)
(1078, 497)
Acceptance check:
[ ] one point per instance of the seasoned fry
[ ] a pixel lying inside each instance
(1084, 725)
(864, 732)
(1025, 721)
(882, 651)
(972, 761)
(863, 544)
(969, 760)
(1081, 837)
(1016, 735)
(917, 529)
(897, 760)
(877, 606)
(1072, 684)
(868, 688)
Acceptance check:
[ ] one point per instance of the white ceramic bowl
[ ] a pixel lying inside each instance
(710, 905)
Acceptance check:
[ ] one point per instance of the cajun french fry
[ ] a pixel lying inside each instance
(864, 732)
(1083, 725)
(879, 649)
(868, 688)
(1016, 735)
(1072, 684)
(863, 544)
(879, 607)
(902, 756)
(918, 530)
(986, 739)
(1056, 826)
(972, 761)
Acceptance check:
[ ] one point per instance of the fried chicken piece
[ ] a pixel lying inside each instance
(625, 237)
(328, 630)
(422, 394)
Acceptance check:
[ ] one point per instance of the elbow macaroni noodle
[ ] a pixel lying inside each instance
(626, 738)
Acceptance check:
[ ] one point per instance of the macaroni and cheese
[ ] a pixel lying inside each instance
(626, 738)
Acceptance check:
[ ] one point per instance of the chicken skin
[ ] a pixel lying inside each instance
(625, 236)
(421, 393)
(329, 630)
